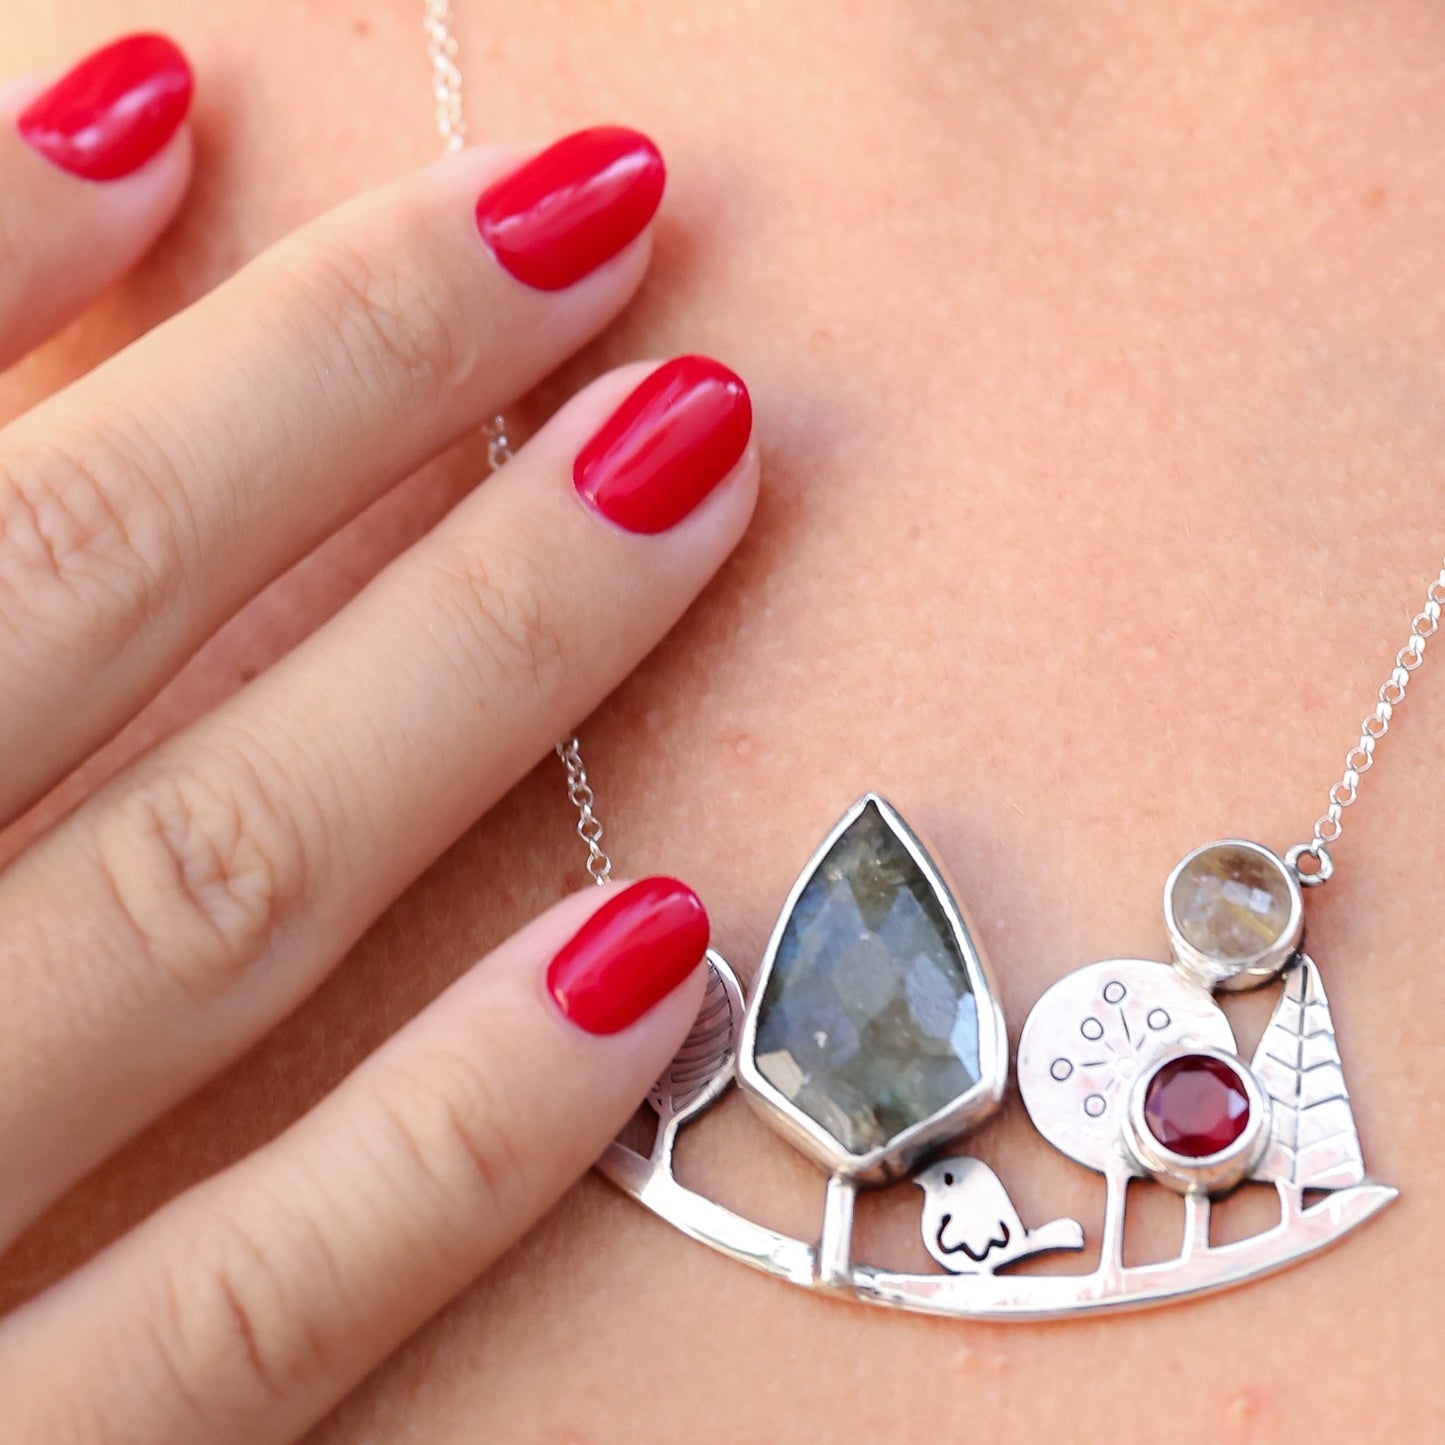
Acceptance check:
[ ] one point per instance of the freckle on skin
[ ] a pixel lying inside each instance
(1242, 1408)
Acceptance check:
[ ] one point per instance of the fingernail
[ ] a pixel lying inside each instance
(667, 446)
(629, 955)
(573, 207)
(114, 111)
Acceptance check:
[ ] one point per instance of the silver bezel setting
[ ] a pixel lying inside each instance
(896, 1158)
(1237, 974)
(1211, 1174)
(1308, 1106)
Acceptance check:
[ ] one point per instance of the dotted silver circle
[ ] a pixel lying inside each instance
(1094, 1105)
(1092, 1029)
(1158, 1018)
(1060, 1069)
(1114, 991)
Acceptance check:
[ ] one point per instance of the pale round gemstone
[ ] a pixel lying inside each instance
(1232, 903)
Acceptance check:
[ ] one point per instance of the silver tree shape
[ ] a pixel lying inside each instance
(703, 1067)
(1083, 1045)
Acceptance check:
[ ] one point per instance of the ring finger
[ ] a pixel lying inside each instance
(189, 905)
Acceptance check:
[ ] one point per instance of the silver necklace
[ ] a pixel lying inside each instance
(873, 1038)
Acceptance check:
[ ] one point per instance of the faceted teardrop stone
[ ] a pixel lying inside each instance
(868, 1023)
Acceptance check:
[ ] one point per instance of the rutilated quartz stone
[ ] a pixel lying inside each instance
(1231, 903)
(869, 1023)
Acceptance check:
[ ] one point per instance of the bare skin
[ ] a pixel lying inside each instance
(1096, 356)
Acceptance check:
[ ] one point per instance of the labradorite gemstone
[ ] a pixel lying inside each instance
(869, 1023)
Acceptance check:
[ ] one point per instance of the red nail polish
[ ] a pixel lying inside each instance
(573, 207)
(629, 955)
(667, 446)
(114, 111)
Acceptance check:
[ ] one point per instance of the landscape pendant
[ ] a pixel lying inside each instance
(873, 1038)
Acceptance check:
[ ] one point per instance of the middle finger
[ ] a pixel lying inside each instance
(140, 507)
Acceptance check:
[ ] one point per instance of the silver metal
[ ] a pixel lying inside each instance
(892, 1160)
(442, 51)
(835, 1244)
(1361, 758)
(970, 1225)
(1085, 1042)
(1237, 974)
(1322, 870)
(581, 796)
(499, 444)
(1199, 1269)
(446, 76)
(1313, 1143)
(1310, 1142)
(703, 1066)
(1093, 1036)
(1213, 1174)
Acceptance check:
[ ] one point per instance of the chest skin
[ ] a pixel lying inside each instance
(1097, 354)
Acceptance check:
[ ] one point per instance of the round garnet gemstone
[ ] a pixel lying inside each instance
(1196, 1105)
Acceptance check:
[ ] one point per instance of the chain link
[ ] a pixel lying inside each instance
(589, 829)
(442, 49)
(446, 75)
(499, 444)
(1361, 758)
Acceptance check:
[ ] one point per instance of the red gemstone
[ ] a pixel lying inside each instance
(1196, 1105)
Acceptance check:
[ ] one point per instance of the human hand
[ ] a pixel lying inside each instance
(160, 929)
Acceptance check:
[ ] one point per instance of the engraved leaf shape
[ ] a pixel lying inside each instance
(1313, 1140)
(703, 1066)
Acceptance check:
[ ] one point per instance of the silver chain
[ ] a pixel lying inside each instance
(579, 792)
(446, 75)
(499, 444)
(452, 127)
(1361, 758)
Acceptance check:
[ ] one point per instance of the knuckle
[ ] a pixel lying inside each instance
(397, 323)
(453, 1125)
(86, 538)
(205, 863)
(236, 1331)
(496, 607)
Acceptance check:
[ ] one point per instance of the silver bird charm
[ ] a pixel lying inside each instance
(970, 1225)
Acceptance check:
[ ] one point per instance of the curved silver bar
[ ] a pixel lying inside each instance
(705, 1221)
(1199, 1270)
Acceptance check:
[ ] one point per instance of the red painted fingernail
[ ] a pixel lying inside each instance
(573, 207)
(114, 111)
(667, 446)
(629, 955)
